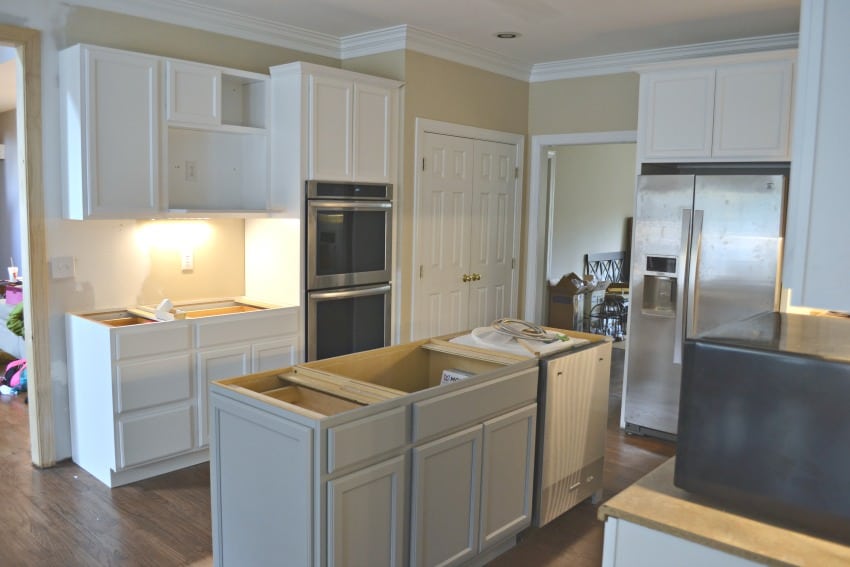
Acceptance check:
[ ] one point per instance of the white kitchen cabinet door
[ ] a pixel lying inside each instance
(817, 229)
(217, 364)
(372, 144)
(277, 353)
(677, 114)
(193, 93)
(507, 475)
(330, 127)
(110, 118)
(752, 111)
(366, 516)
(445, 495)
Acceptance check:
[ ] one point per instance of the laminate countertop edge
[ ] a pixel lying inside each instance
(655, 502)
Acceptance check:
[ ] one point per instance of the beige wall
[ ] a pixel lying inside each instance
(588, 104)
(437, 89)
(594, 194)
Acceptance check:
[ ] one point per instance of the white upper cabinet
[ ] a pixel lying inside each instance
(110, 115)
(816, 254)
(724, 109)
(150, 137)
(194, 93)
(349, 128)
(332, 125)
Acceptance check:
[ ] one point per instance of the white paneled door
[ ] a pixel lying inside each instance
(465, 234)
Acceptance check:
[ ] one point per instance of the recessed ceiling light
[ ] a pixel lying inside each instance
(507, 35)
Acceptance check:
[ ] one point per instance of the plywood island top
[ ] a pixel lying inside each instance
(654, 502)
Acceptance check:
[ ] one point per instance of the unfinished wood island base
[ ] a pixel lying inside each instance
(655, 523)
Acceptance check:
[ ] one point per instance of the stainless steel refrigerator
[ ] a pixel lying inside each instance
(706, 250)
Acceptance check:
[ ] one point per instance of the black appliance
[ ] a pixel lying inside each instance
(763, 427)
(348, 258)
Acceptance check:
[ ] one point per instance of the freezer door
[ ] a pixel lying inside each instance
(662, 221)
(735, 250)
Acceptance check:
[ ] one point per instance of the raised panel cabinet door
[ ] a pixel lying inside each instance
(445, 494)
(372, 130)
(121, 138)
(752, 116)
(366, 516)
(330, 125)
(677, 114)
(444, 211)
(272, 354)
(217, 364)
(193, 93)
(491, 257)
(507, 475)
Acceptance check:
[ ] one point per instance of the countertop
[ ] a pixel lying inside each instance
(654, 502)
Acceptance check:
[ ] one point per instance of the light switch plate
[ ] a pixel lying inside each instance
(62, 267)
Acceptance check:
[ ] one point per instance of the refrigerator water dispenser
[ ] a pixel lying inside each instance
(659, 289)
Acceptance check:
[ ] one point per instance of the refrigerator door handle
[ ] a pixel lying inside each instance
(680, 284)
(693, 265)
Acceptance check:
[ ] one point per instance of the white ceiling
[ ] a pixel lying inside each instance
(552, 30)
(565, 31)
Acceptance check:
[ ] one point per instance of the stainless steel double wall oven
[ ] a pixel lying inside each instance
(349, 255)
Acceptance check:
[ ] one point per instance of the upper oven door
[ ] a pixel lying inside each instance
(348, 243)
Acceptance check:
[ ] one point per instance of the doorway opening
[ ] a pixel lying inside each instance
(23, 48)
(542, 216)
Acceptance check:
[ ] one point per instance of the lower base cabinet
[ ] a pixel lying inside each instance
(472, 488)
(303, 476)
(366, 511)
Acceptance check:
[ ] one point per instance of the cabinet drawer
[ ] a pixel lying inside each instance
(474, 404)
(153, 338)
(366, 438)
(153, 382)
(249, 327)
(154, 436)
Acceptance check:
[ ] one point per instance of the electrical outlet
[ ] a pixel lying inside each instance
(191, 170)
(62, 267)
(187, 261)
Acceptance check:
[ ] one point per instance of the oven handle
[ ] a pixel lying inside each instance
(341, 294)
(353, 205)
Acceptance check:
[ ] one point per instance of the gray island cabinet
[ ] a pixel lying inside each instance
(366, 459)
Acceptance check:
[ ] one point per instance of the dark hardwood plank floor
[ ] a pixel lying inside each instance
(64, 517)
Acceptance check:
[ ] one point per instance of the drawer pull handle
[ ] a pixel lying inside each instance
(576, 485)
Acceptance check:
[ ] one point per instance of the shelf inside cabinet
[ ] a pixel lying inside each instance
(243, 101)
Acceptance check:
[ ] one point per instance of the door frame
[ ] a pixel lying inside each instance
(537, 210)
(33, 242)
(427, 126)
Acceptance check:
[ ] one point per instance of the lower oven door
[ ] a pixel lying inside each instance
(342, 321)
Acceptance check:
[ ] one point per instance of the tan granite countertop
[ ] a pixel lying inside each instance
(656, 503)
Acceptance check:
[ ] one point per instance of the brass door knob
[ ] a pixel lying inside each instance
(476, 277)
(467, 278)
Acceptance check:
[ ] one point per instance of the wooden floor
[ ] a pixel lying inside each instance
(63, 516)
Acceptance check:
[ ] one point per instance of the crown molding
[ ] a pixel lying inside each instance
(196, 15)
(625, 62)
(200, 16)
(429, 43)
